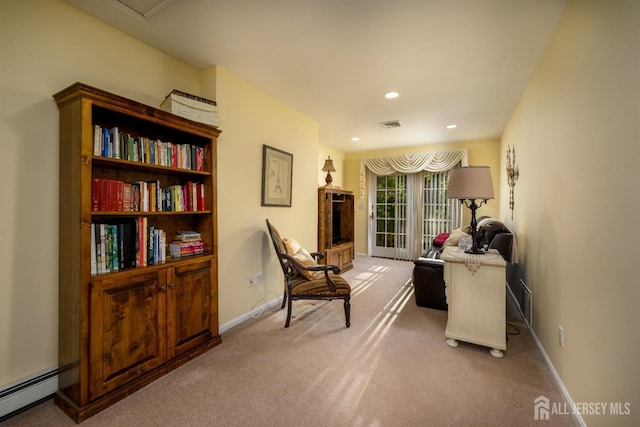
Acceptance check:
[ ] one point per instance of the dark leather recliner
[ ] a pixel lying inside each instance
(428, 274)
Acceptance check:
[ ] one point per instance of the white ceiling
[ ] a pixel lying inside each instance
(452, 61)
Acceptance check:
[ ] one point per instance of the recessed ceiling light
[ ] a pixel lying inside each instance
(451, 126)
(391, 95)
(355, 139)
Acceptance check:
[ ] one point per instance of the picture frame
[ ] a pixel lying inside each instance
(277, 173)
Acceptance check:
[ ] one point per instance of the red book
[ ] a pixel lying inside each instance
(201, 196)
(95, 194)
(104, 195)
(119, 196)
(114, 190)
(199, 159)
(174, 156)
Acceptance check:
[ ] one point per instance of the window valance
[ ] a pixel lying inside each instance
(430, 161)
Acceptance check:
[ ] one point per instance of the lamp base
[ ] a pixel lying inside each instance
(328, 179)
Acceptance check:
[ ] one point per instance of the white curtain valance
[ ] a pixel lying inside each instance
(430, 161)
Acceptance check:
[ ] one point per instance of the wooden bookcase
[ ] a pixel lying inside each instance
(119, 331)
(335, 226)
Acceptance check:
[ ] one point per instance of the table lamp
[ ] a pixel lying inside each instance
(468, 184)
(328, 168)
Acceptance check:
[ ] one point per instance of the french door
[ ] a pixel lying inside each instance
(388, 225)
(407, 212)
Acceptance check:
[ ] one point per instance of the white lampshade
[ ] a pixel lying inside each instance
(470, 182)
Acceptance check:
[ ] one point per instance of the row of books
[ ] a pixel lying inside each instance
(115, 247)
(146, 196)
(110, 142)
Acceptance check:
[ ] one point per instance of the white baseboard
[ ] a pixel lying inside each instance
(256, 312)
(26, 392)
(563, 389)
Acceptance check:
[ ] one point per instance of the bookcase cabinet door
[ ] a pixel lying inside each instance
(189, 306)
(127, 329)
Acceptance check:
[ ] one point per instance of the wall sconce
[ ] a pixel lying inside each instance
(328, 168)
(512, 175)
(471, 183)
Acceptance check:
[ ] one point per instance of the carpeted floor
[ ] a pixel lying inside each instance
(391, 368)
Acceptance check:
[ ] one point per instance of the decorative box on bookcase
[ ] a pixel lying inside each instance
(129, 312)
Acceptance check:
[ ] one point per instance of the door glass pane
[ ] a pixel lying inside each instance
(391, 196)
(436, 215)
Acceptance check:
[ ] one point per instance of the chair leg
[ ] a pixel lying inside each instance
(286, 325)
(284, 298)
(347, 311)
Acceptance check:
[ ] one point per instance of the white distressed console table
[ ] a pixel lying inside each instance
(475, 290)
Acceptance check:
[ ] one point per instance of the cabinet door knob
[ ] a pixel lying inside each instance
(163, 288)
(172, 285)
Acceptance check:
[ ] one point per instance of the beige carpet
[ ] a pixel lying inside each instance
(391, 368)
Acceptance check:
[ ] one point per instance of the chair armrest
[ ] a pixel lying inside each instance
(317, 255)
(320, 267)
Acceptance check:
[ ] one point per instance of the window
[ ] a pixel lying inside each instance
(437, 209)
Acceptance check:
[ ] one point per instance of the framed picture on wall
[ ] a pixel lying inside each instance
(277, 172)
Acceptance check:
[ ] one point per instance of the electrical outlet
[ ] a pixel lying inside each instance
(259, 278)
(561, 336)
(250, 280)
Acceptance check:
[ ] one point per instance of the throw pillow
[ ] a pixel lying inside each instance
(455, 237)
(302, 256)
(440, 239)
(291, 245)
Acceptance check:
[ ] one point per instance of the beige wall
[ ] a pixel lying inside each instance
(250, 119)
(576, 202)
(47, 45)
(481, 153)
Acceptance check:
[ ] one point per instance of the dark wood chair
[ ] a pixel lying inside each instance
(311, 282)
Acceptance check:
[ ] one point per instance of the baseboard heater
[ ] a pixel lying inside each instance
(27, 393)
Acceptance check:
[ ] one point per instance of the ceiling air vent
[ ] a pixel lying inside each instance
(391, 124)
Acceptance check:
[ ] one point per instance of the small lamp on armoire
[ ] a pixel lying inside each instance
(328, 168)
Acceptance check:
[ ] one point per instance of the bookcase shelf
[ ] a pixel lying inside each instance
(139, 213)
(120, 330)
(130, 165)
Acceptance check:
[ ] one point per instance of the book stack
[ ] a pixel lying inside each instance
(186, 243)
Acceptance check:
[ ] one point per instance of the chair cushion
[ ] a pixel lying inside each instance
(319, 286)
